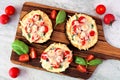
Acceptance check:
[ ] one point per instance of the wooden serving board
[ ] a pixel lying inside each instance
(101, 50)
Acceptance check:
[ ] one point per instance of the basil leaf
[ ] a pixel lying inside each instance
(92, 26)
(20, 47)
(29, 36)
(61, 16)
(80, 60)
(76, 17)
(95, 62)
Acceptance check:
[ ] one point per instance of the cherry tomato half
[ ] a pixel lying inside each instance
(10, 10)
(100, 9)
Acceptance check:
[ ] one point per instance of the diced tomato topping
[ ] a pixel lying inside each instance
(36, 17)
(45, 29)
(73, 22)
(35, 37)
(44, 56)
(57, 49)
(59, 59)
(28, 30)
(83, 42)
(57, 65)
(70, 59)
(92, 33)
(42, 23)
(75, 28)
(66, 53)
(81, 19)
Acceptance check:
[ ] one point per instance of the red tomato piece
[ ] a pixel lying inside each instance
(44, 56)
(109, 19)
(10, 10)
(73, 22)
(4, 19)
(53, 14)
(56, 65)
(45, 29)
(100, 9)
(75, 28)
(90, 57)
(70, 59)
(33, 53)
(92, 33)
(24, 58)
(66, 53)
(83, 42)
(81, 19)
(14, 72)
(81, 68)
(57, 49)
(36, 17)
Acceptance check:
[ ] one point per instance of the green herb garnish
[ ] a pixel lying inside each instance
(61, 16)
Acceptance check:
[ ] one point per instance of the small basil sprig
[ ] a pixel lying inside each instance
(82, 61)
(61, 16)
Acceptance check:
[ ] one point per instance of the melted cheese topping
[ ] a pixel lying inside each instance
(82, 31)
(36, 27)
(56, 58)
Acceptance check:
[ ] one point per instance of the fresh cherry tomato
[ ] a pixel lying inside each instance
(109, 19)
(10, 10)
(90, 57)
(24, 58)
(53, 14)
(100, 9)
(14, 72)
(33, 53)
(81, 68)
(92, 33)
(4, 19)
(44, 56)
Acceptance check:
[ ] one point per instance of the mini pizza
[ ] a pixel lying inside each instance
(56, 58)
(82, 31)
(36, 27)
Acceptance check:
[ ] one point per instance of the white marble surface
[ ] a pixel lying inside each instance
(108, 70)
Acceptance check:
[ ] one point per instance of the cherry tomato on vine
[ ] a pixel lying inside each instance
(100, 9)
(10, 10)
(14, 72)
(109, 19)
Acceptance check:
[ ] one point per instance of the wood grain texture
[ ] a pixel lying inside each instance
(101, 50)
